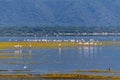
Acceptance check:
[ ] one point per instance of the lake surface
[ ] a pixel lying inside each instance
(60, 60)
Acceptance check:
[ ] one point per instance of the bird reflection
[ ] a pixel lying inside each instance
(86, 51)
(89, 51)
(19, 53)
(30, 52)
(60, 50)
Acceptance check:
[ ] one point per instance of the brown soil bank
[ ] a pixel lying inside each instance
(58, 76)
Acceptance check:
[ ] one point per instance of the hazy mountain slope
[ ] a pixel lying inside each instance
(60, 12)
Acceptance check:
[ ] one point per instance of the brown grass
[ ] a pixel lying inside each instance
(58, 76)
(96, 71)
(5, 45)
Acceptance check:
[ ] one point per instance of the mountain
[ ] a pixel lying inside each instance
(59, 12)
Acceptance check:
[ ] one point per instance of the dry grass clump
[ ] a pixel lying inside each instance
(58, 76)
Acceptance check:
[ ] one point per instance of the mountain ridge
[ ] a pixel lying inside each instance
(59, 13)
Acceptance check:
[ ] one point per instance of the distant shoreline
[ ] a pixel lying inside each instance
(59, 31)
(59, 34)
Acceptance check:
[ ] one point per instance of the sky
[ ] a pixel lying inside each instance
(60, 13)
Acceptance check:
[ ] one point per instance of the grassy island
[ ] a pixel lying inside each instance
(4, 45)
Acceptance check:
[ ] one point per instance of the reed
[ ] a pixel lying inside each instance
(58, 76)
(4, 45)
(96, 71)
(17, 45)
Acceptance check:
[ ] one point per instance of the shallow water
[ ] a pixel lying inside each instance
(60, 60)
